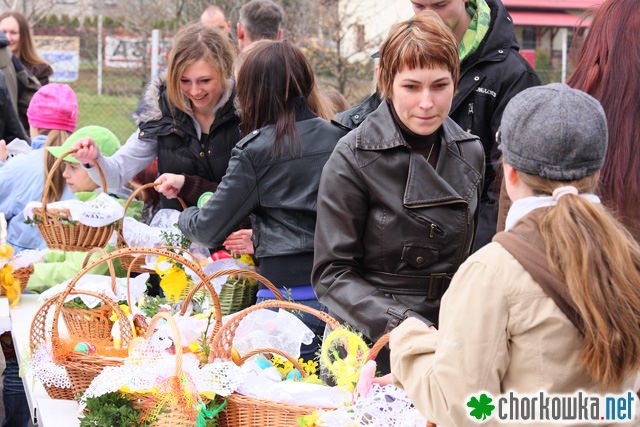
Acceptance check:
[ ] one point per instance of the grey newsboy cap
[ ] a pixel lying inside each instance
(555, 132)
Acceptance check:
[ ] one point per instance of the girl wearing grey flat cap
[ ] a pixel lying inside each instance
(552, 304)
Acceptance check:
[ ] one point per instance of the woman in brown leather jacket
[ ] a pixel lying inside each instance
(398, 198)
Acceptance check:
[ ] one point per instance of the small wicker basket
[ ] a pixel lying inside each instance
(126, 260)
(22, 274)
(93, 323)
(57, 232)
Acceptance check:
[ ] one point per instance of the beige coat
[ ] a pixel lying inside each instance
(499, 332)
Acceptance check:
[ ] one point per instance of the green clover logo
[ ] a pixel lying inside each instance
(481, 408)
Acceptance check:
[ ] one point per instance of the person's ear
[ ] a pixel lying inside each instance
(240, 31)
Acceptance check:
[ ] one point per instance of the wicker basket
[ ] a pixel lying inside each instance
(92, 324)
(38, 337)
(22, 274)
(237, 296)
(69, 237)
(172, 413)
(81, 368)
(127, 260)
(248, 411)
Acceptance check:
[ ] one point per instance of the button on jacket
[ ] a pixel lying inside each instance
(392, 230)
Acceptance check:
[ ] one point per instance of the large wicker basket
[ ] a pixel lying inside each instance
(94, 323)
(127, 260)
(53, 224)
(81, 368)
(249, 411)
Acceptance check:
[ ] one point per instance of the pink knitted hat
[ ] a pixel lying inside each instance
(54, 106)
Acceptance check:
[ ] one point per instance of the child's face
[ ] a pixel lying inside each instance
(77, 178)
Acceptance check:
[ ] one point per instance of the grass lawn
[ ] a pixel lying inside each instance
(112, 112)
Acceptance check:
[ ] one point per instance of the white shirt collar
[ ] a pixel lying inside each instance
(522, 207)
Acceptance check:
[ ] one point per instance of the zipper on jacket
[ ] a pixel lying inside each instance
(435, 229)
(470, 117)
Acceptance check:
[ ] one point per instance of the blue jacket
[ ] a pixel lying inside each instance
(22, 181)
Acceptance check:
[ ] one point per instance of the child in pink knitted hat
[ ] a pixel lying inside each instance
(52, 114)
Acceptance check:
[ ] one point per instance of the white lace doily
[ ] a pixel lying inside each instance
(101, 211)
(46, 371)
(386, 406)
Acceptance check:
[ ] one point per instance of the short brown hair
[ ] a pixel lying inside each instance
(191, 44)
(423, 41)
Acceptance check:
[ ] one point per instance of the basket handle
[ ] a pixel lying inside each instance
(242, 271)
(126, 335)
(49, 180)
(121, 242)
(112, 270)
(378, 345)
(159, 252)
(222, 341)
(177, 339)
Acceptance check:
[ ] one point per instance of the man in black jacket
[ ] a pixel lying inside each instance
(491, 73)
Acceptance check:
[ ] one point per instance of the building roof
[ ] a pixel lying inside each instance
(552, 4)
(548, 19)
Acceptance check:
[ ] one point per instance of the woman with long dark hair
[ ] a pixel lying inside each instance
(608, 69)
(274, 173)
(17, 29)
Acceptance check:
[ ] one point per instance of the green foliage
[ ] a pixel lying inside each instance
(111, 409)
(150, 306)
(178, 240)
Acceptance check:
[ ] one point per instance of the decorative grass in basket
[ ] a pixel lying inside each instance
(126, 260)
(163, 386)
(59, 231)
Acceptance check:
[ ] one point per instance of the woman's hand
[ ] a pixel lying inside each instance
(384, 380)
(4, 152)
(240, 242)
(87, 152)
(169, 185)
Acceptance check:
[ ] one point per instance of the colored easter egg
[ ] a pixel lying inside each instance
(294, 375)
(85, 348)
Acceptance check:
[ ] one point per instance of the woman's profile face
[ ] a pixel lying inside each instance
(422, 98)
(203, 85)
(11, 29)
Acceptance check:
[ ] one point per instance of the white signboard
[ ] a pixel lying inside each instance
(129, 52)
(63, 54)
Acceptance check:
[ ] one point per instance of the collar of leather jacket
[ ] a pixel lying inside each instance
(380, 132)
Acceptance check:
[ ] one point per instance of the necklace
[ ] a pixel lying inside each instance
(430, 151)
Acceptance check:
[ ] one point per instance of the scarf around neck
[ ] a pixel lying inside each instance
(480, 13)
